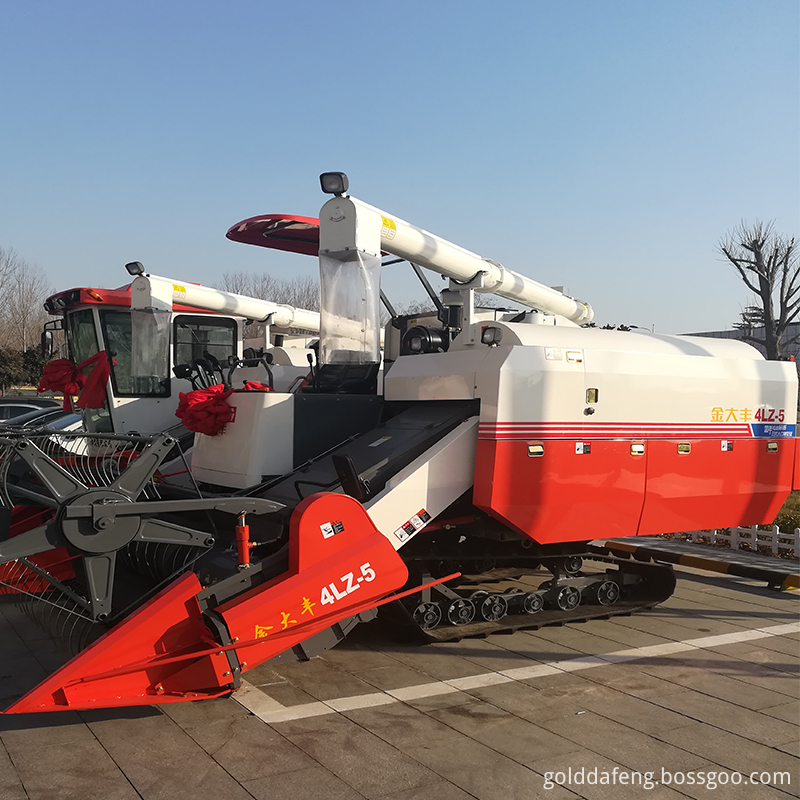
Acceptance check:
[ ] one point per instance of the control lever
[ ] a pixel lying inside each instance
(266, 360)
(352, 483)
(204, 372)
(314, 372)
(215, 365)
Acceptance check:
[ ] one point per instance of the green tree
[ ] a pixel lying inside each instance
(32, 365)
(12, 370)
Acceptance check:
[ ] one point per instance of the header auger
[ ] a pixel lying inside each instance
(455, 476)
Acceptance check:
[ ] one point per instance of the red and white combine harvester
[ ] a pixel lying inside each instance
(426, 479)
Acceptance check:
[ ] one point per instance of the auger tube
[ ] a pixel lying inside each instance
(149, 291)
(347, 220)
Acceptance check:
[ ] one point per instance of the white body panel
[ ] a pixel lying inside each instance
(429, 484)
(259, 441)
(541, 374)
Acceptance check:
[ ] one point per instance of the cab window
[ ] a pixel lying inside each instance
(196, 336)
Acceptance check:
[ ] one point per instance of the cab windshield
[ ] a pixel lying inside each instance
(82, 338)
(82, 335)
(116, 327)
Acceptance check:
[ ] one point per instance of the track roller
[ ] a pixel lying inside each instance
(533, 602)
(461, 612)
(568, 597)
(608, 592)
(571, 565)
(493, 607)
(427, 615)
(620, 587)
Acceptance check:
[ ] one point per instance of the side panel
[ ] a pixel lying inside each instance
(796, 478)
(339, 565)
(709, 487)
(426, 487)
(622, 394)
(561, 495)
(258, 441)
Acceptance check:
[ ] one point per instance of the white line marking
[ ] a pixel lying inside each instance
(291, 713)
(779, 630)
(478, 681)
(253, 699)
(666, 649)
(360, 701)
(421, 690)
(582, 662)
(271, 711)
(731, 638)
(535, 671)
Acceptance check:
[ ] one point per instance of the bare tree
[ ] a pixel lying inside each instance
(768, 264)
(302, 292)
(23, 314)
(9, 264)
(23, 289)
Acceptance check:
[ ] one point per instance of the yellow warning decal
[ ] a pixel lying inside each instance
(389, 229)
(178, 290)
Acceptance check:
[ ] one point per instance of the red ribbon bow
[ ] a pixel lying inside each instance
(205, 410)
(62, 375)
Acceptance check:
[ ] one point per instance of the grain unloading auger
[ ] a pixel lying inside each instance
(496, 450)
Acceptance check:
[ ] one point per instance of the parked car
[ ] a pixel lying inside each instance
(11, 407)
(57, 420)
(68, 422)
(31, 415)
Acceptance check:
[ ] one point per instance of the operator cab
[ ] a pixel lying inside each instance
(98, 319)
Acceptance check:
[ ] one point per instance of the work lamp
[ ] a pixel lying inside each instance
(334, 183)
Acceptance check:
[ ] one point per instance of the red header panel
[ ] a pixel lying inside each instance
(279, 232)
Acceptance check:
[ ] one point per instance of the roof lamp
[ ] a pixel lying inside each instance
(334, 183)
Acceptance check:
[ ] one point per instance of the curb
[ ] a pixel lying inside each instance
(784, 575)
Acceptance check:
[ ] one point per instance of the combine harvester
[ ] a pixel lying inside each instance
(183, 345)
(496, 449)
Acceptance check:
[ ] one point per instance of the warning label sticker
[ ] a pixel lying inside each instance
(409, 528)
(329, 529)
(389, 229)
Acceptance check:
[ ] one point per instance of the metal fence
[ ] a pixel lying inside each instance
(753, 538)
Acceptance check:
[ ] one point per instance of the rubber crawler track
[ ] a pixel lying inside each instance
(657, 583)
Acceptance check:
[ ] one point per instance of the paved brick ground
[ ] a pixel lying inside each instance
(478, 719)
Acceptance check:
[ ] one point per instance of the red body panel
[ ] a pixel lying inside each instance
(561, 496)
(712, 488)
(796, 472)
(81, 296)
(294, 606)
(122, 668)
(279, 232)
(165, 653)
(566, 496)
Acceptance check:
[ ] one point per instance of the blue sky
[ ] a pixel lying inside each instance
(603, 145)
